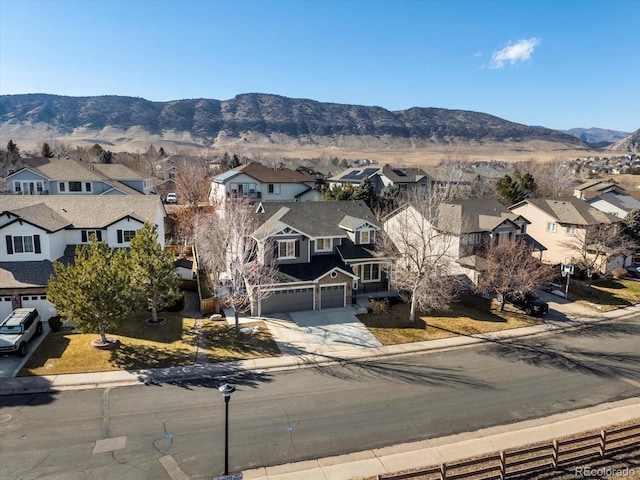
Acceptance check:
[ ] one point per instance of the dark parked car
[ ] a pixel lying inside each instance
(634, 271)
(529, 303)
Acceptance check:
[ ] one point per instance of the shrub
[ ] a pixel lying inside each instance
(176, 304)
(619, 273)
(379, 307)
(55, 324)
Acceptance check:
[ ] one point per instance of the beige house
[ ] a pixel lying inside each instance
(457, 233)
(567, 225)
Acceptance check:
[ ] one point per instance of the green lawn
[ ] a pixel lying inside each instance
(607, 294)
(144, 346)
(469, 316)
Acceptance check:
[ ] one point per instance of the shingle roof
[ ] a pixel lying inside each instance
(117, 171)
(65, 169)
(620, 200)
(25, 274)
(472, 215)
(305, 272)
(42, 216)
(572, 211)
(84, 211)
(274, 175)
(316, 219)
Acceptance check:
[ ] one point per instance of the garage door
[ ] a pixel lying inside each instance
(291, 300)
(332, 297)
(5, 307)
(44, 306)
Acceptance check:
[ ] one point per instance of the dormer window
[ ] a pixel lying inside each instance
(286, 249)
(366, 236)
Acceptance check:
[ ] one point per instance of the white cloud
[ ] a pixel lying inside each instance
(511, 54)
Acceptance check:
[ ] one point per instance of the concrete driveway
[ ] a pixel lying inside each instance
(334, 327)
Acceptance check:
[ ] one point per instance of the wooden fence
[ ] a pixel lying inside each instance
(523, 461)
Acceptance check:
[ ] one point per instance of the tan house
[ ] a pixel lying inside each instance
(567, 225)
(458, 232)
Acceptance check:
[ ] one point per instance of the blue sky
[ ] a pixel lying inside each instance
(559, 64)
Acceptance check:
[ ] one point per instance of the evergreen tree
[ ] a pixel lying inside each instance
(235, 161)
(94, 291)
(365, 191)
(106, 156)
(13, 152)
(632, 220)
(513, 190)
(154, 276)
(46, 151)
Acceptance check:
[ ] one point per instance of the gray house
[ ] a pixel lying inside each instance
(48, 176)
(325, 254)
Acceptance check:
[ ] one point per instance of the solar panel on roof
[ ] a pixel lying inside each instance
(399, 172)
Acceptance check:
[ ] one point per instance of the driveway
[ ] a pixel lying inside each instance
(334, 327)
(10, 365)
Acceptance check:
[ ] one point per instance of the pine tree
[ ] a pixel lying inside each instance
(46, 151)
(154, 275)
(94, 291)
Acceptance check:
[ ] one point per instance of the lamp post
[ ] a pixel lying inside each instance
(226, 390)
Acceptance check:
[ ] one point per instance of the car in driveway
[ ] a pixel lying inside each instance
(18, 329)
(171, 198)
(528, 302)
(633, 270)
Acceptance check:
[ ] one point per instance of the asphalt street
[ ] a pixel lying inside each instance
(126, 432)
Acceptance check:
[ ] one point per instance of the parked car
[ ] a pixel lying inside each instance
(528, 302)
(171, 198)
(17, 329)
(634, 271)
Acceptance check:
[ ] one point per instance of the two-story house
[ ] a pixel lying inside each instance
(65, 176)
(325, 253)
(255, 181)
(404, 179)
(462, 230)
(615, 203)
(35, 231)
(565, 224)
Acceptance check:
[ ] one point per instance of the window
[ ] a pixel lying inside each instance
(474, 238)
(366, 236)
(87, 186)
(323, 245)
(86, 235)
(75, 186)
(370, 272)
(286, 249)
(23, 244)
(273, 188)
(39, 187)
(127, 235)
(571, 229)
(551, 227)
(17, 187)
(62, 187)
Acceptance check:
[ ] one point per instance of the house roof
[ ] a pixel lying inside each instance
(306, 272)
(597, 185)
(116, 171)
(620, 200)
(403, 175)
(31, 274)
(42, 216)
(316, 219)
(62, 169)
(570, 210)
(82, 211)
(472, 215)
(266, 174)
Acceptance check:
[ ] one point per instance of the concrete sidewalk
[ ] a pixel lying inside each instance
(436, 451)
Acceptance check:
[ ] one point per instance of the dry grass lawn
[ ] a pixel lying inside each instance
(470, 316)
(144, 346)
(605, 295)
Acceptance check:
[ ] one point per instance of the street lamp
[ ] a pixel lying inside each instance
(226, 390)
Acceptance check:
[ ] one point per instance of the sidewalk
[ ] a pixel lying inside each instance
(435, 451)
(388, 459)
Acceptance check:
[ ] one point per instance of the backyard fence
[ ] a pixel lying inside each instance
(523, 461)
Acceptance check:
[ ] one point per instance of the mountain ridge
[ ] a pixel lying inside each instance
(264, 119)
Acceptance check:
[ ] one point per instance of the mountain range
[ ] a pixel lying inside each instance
(268, 120)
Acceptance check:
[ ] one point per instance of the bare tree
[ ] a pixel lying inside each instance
(596, 245)
(193, 183)
(424, 253)
(511, 267)
(237, 264)
(553, 179)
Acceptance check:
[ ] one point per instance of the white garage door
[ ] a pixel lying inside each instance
(290, 300)
(44, 306)
(5, 307)
(332, 296)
